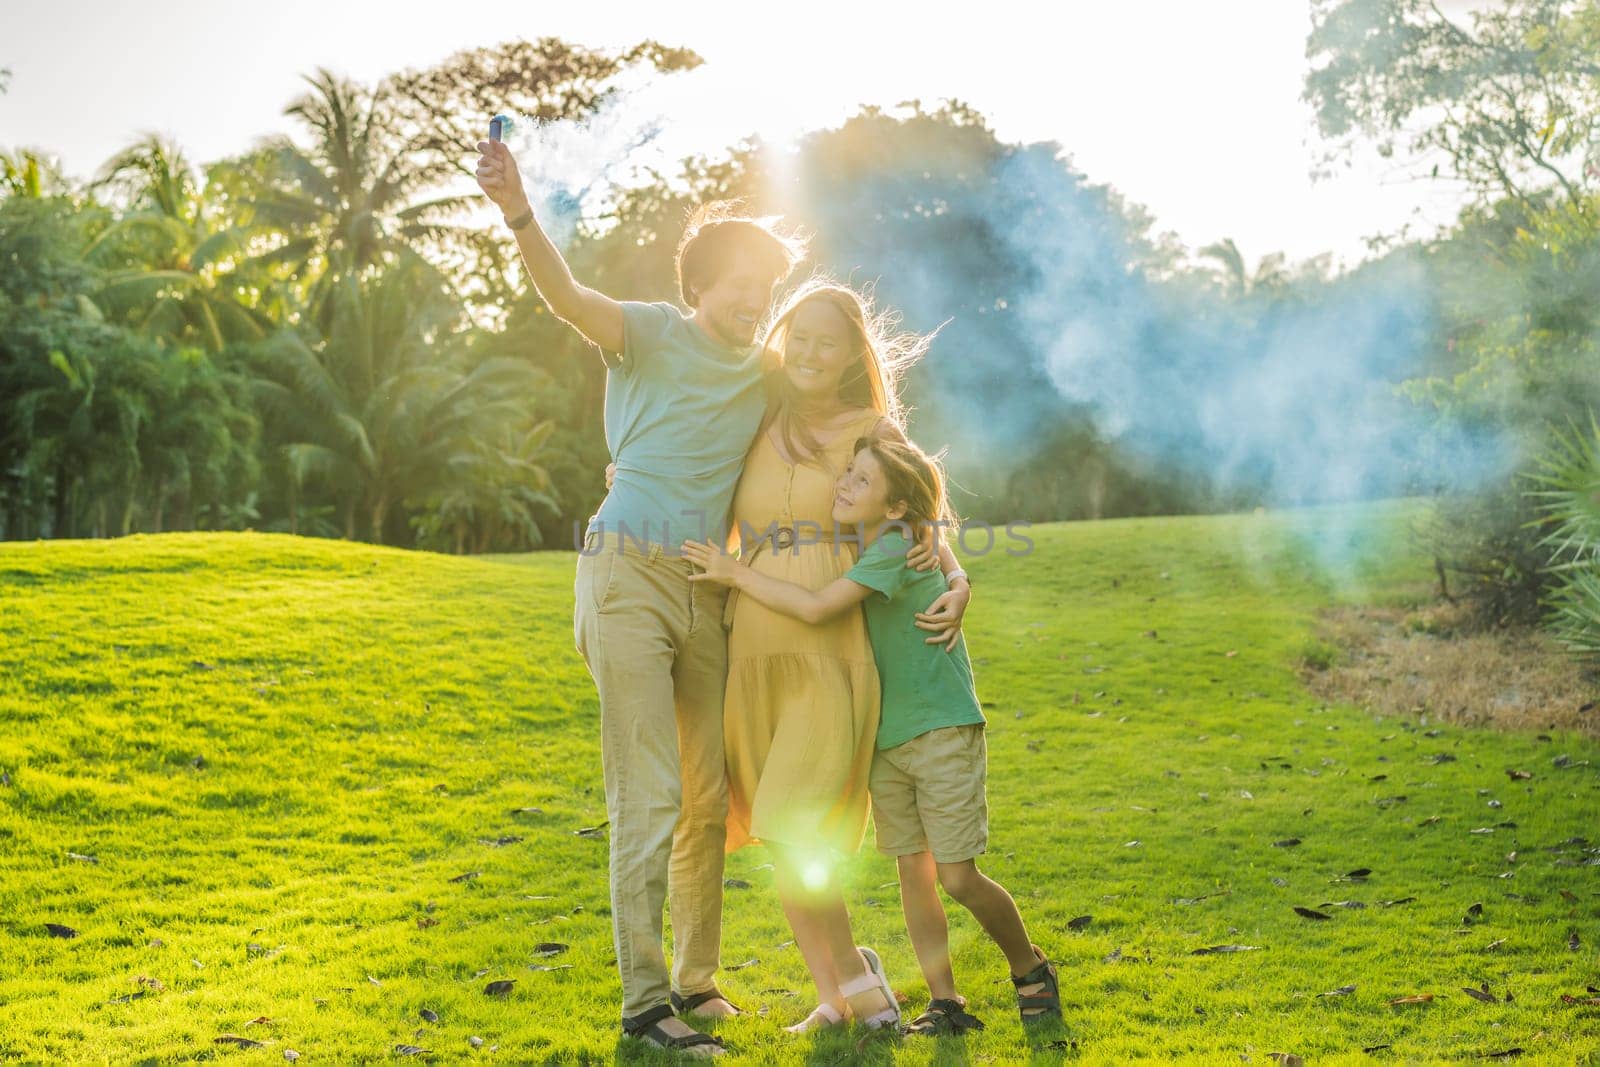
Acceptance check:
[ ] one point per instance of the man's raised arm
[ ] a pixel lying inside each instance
(591, 313)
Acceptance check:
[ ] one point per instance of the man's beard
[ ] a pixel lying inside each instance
(733, 334)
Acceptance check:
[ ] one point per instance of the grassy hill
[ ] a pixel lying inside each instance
(298, 792)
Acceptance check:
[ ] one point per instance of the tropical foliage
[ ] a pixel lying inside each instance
(1567, 489)
(1507, 101)
(287, 339)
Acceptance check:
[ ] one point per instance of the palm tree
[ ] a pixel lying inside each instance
(82, 427)
(1234, 273)
(497, 487)
(198, 455)
(44, 310)
(369, 404)
(176, 269)
(345, 201)
(25, 173)
(126, 429)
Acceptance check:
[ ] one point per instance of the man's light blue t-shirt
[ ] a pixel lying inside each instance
(680, 413)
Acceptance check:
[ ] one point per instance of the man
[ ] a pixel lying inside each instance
(684, 399)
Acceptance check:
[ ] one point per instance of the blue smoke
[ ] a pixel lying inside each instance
(1062, 310)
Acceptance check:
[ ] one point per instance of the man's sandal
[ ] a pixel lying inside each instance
(944, 1018)
(646, 1026)
(1044, 1004)
(874, 981)
(686, 1005)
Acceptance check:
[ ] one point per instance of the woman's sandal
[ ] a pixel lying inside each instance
(686, 1005)
(1045, 1003)
(822, 1017)
(874, 981)
(944, 1018)
(646, 1026)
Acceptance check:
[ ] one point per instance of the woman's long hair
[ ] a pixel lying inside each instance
(883, 353)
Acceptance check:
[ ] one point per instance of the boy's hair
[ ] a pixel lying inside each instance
(915, 478)
(883, 354)
(717, 234)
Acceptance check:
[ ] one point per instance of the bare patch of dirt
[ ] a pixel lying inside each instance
(1424, 661)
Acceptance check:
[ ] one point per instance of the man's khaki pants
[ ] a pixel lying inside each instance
(656, 647)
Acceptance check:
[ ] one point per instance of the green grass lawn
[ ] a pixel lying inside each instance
(299, 792)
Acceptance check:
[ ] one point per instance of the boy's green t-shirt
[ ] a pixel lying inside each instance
(924, 687)
(680, 413)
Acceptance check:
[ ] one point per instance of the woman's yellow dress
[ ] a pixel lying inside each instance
(800, 718)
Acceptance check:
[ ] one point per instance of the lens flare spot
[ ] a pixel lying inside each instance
(814, 875)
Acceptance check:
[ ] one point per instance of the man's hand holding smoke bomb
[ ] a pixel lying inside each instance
(593, 314)
(499, 178)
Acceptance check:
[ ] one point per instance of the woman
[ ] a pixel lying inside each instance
(929, 775)
(801, 712)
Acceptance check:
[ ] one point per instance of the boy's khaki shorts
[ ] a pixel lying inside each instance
(927, 795)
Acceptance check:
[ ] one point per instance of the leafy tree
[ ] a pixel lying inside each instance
(547, 79)
(368, 184)
(1505, 103)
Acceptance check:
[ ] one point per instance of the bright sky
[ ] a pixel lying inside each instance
(1189, 108)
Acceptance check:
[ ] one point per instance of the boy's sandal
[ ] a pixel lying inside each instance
(646, 1026)
(685, 1005)
(1044, 1004)
(944, 1018)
